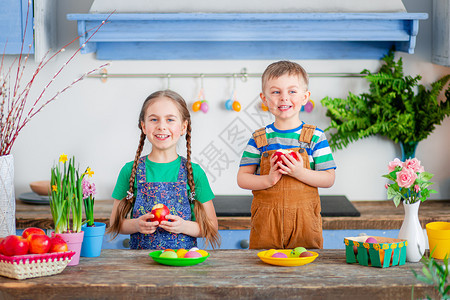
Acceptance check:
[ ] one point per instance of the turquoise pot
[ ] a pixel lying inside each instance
(93, 239)
(408, 150)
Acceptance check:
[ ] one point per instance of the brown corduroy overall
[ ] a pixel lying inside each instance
(286, 215)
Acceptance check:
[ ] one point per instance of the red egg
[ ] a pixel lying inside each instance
(282, 152)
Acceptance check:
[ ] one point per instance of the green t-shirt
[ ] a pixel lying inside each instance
(164, 172)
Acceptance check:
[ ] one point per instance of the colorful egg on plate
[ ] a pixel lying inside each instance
(169, 254)
(181, 252)
(279, 255)
(192, 254)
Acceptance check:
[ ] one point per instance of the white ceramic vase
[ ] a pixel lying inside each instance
(7, 196)
(412, 232)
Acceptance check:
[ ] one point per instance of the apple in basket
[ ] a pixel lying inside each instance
(57, 244)
(39, 243)
(1, 245)
(282, 152)
(160, 211)
(32, 230)
(15, 245)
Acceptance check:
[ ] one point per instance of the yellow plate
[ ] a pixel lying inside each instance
(287, 262)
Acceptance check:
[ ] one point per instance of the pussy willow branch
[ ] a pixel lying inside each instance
(15, 120)
(16, 87)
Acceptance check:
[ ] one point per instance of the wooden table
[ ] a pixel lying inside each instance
(374, 215)
(230, 274)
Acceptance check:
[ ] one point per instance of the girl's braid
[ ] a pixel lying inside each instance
(207, 230)
(190, 173)
(126, 204)
(135, 164)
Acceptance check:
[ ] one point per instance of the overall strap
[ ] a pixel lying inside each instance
(307, 133)
(260, 137)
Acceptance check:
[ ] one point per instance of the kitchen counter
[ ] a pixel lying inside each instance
(231, 274)
(374, 215)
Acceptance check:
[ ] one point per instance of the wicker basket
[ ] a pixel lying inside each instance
(34, 265)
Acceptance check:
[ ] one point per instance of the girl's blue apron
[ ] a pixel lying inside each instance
(174, 196)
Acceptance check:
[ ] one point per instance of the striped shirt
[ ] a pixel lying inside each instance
(319, 152)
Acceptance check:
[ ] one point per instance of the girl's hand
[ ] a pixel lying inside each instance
(291, 166)
(144, 225)
(275, 171)
(175, 224)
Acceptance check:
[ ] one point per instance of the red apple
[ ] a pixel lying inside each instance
(306, 254)
(281, 152)
(160, 211)
(15, 245)
(39, 243)
(32, 230)
(1, 245)
(57, 244)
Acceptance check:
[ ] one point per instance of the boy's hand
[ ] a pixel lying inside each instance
(291, 166)
(144, 225)
(274, 173)
(175, 226)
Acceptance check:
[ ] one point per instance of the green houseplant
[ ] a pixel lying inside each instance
(392, 108)
(93, 231)
(89, 191)
(66, 199)
(66, 204)
(435, 274)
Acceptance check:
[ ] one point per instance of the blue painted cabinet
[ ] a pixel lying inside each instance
(14, 24)
(160, 36)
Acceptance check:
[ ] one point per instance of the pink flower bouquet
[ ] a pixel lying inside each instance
(411, 182)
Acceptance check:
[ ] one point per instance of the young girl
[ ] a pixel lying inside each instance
(164, 177)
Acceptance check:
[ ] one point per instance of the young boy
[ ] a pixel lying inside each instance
(286, 205)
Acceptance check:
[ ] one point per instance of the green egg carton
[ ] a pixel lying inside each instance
(386, 253)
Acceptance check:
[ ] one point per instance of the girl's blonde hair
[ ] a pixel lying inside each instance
(125, 206)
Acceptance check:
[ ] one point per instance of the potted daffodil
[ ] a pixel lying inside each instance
(66, 204)
(93, 231)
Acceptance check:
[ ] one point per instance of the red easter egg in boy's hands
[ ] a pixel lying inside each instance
(281, 152)
(160, 211)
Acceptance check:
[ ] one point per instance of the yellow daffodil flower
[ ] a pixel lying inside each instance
(54, 188)
(89, 172)
(63, 158)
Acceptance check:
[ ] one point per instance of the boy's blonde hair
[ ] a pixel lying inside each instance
(279, 68)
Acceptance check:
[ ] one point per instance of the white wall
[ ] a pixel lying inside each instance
(97, 122)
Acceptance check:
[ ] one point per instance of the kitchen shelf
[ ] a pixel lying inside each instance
(163, 36)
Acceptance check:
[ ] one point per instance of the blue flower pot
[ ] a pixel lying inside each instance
(93, 239)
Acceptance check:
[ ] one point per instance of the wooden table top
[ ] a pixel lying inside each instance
(374, 215)
(232, 274)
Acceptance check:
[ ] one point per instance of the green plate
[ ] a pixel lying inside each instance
(178, 262)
